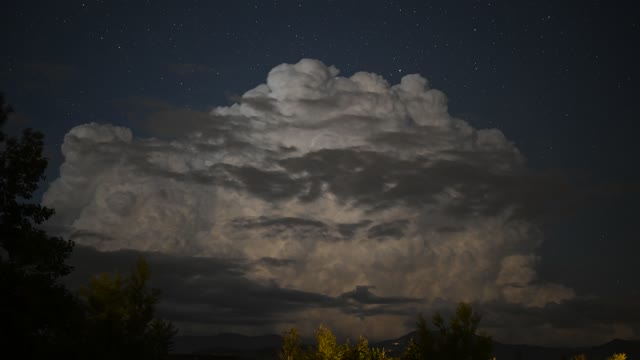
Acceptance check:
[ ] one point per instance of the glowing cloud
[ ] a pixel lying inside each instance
(323, 184)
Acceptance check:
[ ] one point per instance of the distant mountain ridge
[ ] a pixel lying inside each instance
(530, 352)
(266, 347)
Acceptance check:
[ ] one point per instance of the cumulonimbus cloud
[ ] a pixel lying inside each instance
(325, 184)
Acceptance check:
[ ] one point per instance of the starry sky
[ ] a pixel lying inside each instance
(280, 164)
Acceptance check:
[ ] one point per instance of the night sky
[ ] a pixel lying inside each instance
(280, 163)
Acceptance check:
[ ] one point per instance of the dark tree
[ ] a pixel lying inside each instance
(22, 166)
(292, 346)
(37, 313)
(460, 340)
(121, 321)
(39, 317)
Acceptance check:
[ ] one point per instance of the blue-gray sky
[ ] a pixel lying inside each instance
(557, 79)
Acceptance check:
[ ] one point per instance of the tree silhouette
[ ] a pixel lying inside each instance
(292, 347)
(22, 166)
(328, 348)
(412, 352)
(121, 317)
(39, 316)
(457, 341)
(361, 351)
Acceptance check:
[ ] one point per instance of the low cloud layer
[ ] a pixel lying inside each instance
(329, 190)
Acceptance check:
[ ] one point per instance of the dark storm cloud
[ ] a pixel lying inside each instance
(164, 267)
(165, 120)
(217, 291)
(269, 185)
(420, 137)
(531, 195)
(448, 229)
(381, 181)
(272, 227)
(578, 321)
(260, 104)
(202, 288)
(364, 303)
(348, 230)
(275, 227)
(307, 228)
(580, 312)
(282, 223)
(270, 261)
(89, 237)
(363, 295)
(363, 312)
(236, 299)
(394, 229)
(357, 175)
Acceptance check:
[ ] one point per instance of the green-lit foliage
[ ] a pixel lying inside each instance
(327, 348)
(292, 347)
(378, 354)
(579, 357)
(361, 351)
(618, 356)
(412, 352)
(121, 315)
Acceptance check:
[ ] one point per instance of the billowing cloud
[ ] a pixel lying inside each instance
(327, 186)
